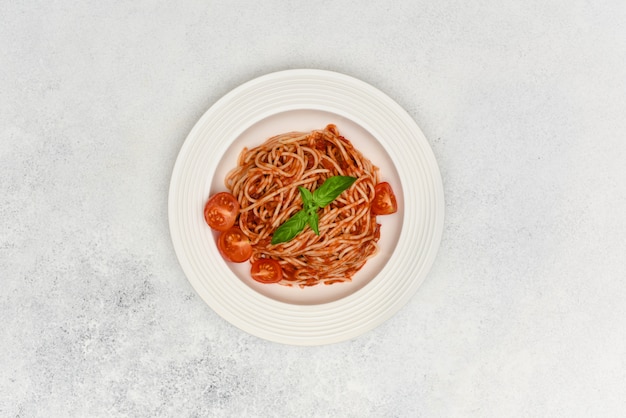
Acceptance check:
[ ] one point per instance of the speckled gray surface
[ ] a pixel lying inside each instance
(523, 311)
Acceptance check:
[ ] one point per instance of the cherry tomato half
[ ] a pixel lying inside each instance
(384, 200)
(221, 211)
(234, 245)
(266, 270)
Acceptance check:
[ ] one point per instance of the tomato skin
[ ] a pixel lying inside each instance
(234, 245)
(221, 210)
(384, 200)
(266, 270)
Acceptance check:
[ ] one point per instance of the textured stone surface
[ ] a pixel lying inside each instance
(522, 314)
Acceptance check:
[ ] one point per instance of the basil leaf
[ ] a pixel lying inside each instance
(311, 202)
(307, 197)
(313, 222)
(290, 228)
(331, 189)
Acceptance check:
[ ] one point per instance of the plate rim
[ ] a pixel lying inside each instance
(329, 335)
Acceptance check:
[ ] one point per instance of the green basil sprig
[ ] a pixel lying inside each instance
(311, 202)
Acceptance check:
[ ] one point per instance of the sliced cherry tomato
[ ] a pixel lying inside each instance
(234, 245)
(221, 211)
(266, 270)
(384, 200)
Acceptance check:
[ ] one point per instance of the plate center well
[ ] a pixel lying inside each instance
(364, 141)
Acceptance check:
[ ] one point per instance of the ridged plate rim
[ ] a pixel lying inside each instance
(418, 242)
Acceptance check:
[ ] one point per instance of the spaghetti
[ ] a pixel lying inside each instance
(265, 183)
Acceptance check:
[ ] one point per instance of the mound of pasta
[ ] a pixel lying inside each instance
(301, 208)
(267, 183)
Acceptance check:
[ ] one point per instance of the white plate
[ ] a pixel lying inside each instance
(304, 100)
